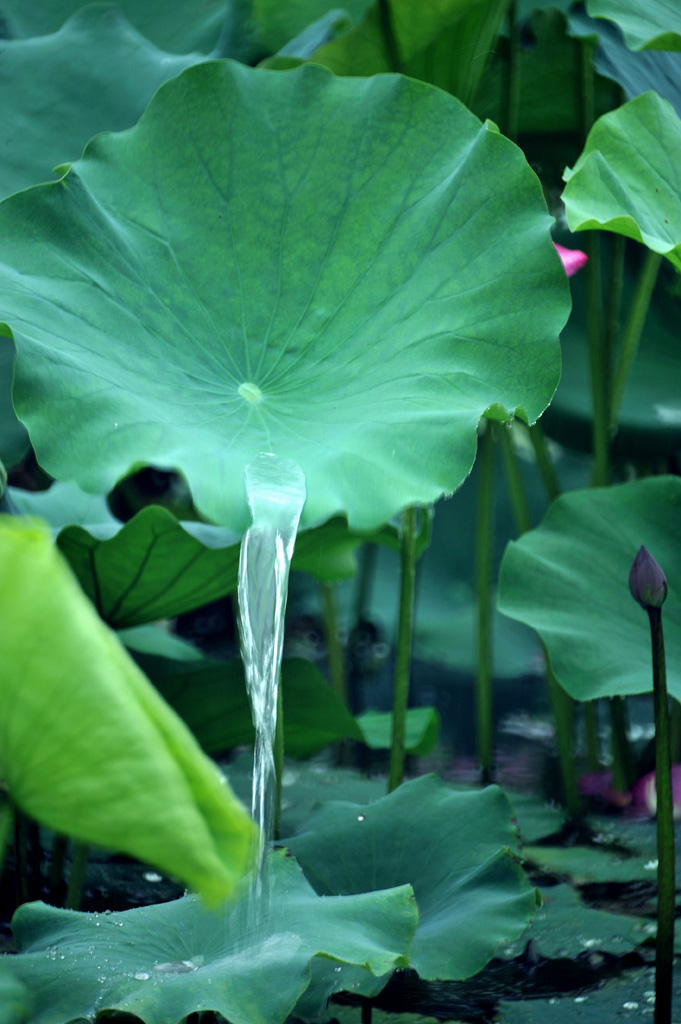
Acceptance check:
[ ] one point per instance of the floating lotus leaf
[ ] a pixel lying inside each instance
(89, 748)
(454, 848)
(568, 579)
(337, 271)
(44, 125)
(166, 961)
(655, 25)
(627, 179)
(184, 26)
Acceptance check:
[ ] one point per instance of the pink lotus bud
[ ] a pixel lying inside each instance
(573, 259)
(647, 582)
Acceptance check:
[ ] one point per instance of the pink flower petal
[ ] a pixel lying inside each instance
(573, 259)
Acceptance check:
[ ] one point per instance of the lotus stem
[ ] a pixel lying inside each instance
(334, 648)
(623, 762)
(514, 480)
(593, 760)
(403, 652)
(675, 731)
(618, 252)
(648, 586)
(599, 361)
(389, 38)
(484, 542)
(666, 874)
(545, 465)
(632, 332)
(59, 846)
(74, 890)
(512, 74)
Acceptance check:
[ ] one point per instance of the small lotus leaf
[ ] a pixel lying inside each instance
(568, 579)
(346, 286)
(454, 848)
(87, 746)
(44, 125)
(166, 961)
(421, 736)
(627, 179)
(655, 25)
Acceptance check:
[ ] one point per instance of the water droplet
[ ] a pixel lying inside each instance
(361, 817)
(650, 865)
(115, 426)
(176, 967)
(142, 976)
(152, 876)
(580, 999)
(630, 1006)
(338, 969)
(589, 943)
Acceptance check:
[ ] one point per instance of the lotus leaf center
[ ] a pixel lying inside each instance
(251, 392)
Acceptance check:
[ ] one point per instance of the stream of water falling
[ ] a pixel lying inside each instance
(276, 494)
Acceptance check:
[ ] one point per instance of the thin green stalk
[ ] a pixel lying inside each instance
(675, 731)
(588, 87)
(74, 890)
(514, 480)
(484, 542)
(563, 707)
(599, 361)
(403, 652)
(612, 320)
(6, 826)
(365, 579)
(633, 329)
(278, 759)
(21, 855)
(512, 74)
(334, 648)
(59, 845)
(389, 38)
(623, 761)
(593, 760)
(666, 879)
(545, 465)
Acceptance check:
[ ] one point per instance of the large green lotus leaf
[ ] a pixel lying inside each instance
(88, 747)
(279, 21)
(210, 696)
(166, 961)
(57, 91)
(649, 424)
(568, 579)
(655, 25)
(347, 286)
(627, 179)
(180, 27)
(454, 848)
